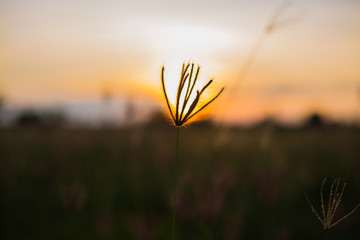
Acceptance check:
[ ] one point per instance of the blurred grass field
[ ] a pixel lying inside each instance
(117, 183)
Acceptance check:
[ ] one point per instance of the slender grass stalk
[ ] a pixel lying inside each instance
(183, 110)
(175, 180)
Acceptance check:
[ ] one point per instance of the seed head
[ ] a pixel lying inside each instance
(184, 111)
(334, 200)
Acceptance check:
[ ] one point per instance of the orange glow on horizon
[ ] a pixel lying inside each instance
(301, 66)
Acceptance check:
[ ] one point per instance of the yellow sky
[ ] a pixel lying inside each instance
(54, 51)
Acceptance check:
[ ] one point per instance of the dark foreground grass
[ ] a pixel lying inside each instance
(117, 184)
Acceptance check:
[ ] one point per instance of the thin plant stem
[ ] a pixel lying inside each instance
(175, 180)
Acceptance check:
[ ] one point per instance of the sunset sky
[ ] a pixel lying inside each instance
(62, 51)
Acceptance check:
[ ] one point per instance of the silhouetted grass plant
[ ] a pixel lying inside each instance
(183, 111)
(329, 209)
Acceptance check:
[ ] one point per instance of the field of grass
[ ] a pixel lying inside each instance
(232, 183)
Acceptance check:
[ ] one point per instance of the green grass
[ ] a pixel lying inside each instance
(117, 184)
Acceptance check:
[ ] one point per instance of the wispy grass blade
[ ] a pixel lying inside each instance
(192, 107)
(194, 82)
(313, 209)
(322, 198)
(192, 115)
(188, 93)
(347, 215)
(165, 94)
(208, 84)
(336, 199)
(337, 202)
(178, 96)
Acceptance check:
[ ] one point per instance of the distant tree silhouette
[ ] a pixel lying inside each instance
(28, 118)
(315, 120)
(31, 118)
(1, 109)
